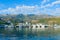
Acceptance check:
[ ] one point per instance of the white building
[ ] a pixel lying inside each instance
(56, 26)
(39, 26)
(9, 26)
(29, 26)
(19, 26)
(23, 26)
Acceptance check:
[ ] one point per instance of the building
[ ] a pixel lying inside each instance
(56, 26)
(9, 25)
(23, 25)
(39, 26)
(19, 26)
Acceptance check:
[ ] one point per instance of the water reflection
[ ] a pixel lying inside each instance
(27, 34)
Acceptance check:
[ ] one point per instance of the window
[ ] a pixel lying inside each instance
(31, 26)
(40, 26)
(46, 26)
(36, 26)
(17, 26)
(27, 26)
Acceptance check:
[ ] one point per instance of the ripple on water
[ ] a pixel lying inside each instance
(25, 35)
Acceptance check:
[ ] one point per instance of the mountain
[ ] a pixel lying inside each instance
(28, 16)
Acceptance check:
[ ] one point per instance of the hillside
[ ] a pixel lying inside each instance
(42, 18)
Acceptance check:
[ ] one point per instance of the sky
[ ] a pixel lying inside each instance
(50, 7)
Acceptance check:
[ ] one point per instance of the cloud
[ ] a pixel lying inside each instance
(22, 9)
(44, 1)
(56, 2)
(35, 9)
(48, 8)
(56, 12)
(51, 4)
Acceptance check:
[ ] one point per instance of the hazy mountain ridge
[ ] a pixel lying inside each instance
(31, 16)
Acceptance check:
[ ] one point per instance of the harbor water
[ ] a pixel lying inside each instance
(26, 34)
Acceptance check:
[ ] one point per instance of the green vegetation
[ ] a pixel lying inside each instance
(21, 18)
(46, 20)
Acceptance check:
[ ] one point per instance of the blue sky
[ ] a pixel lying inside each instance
(50, 7)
